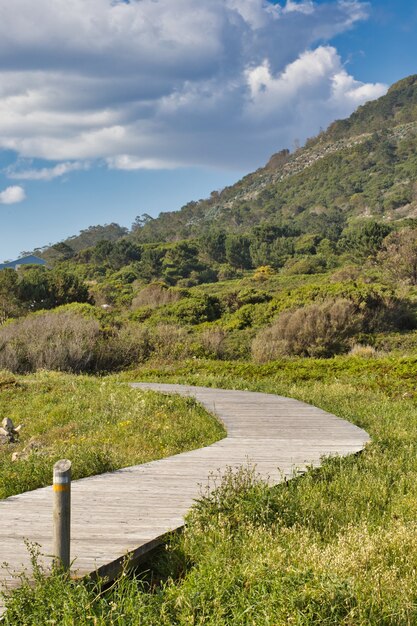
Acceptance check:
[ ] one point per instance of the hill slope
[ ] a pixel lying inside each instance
(365, 165)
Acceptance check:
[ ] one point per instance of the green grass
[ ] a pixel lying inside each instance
(99, 424)
(336, 546)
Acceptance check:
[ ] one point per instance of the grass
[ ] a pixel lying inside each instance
(336, 546)
(99, 424)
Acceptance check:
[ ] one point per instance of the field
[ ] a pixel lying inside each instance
(336, 546)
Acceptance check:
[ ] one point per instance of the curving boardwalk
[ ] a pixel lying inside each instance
(130, 510)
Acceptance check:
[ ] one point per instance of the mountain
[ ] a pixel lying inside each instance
(363, 166)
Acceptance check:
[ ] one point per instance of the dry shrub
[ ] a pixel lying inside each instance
(170, 341)
(128, 346)
(345, 274)
(364, 351)
(213, 342)
(318, 330)
(67, 341)
(60, 341)
(154, 296)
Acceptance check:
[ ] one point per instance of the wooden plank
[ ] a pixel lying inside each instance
(131, 510)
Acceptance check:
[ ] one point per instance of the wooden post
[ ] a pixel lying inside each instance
(62, 513)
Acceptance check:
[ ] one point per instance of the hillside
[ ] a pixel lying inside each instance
(365, 165)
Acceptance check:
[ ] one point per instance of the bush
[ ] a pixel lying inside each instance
(228, 272)
(128, 346)
(67, 341)
(60, 341)
(346, 274)
(195, 310)
(156, 295)
(213, 342)
(170, 341)
(318, 330)
(305, 265)
(363, 351)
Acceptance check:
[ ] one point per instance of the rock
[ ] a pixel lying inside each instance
(8, 432)
(34, 445)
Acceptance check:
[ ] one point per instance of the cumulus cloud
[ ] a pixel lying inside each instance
(12, 195)
(156, 83)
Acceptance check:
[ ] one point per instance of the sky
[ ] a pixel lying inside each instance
(114, 108)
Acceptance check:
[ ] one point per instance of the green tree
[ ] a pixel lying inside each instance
(212, 245)
(180, 261)
(66, 287)
(364, 239)
(34, 288)
(238, 251)
(150, 265)
(9, 301)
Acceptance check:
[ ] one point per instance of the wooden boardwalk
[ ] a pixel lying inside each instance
(131, 509)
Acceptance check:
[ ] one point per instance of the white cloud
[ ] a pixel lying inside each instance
(45, 173)
(306, 7)
(128, 162)
(156, 83)
(12, 195)
(314, 86)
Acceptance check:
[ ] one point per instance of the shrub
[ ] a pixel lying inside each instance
(60, 341)
(67, 341)
(196, 310)
(318, 330)
(156, 295)
(364, 351)
(228, 272)
(170, 341)
(252, 296)
(213, 342)
(345, 274)
(263, 272)
(128, 346)
(399, 255)
(306, 265)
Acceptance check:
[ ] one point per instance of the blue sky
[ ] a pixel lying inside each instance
(112, 109)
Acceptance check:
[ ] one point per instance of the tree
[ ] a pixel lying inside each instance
(34, 288)
(66, 287)
(141, 221)
(123, 253)
(150, 265)
(58, 252)
(180, 260)
(212, 245)
(365, 239)
(102, 251)
(238, 251)
(9, 302)
(39, 288)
